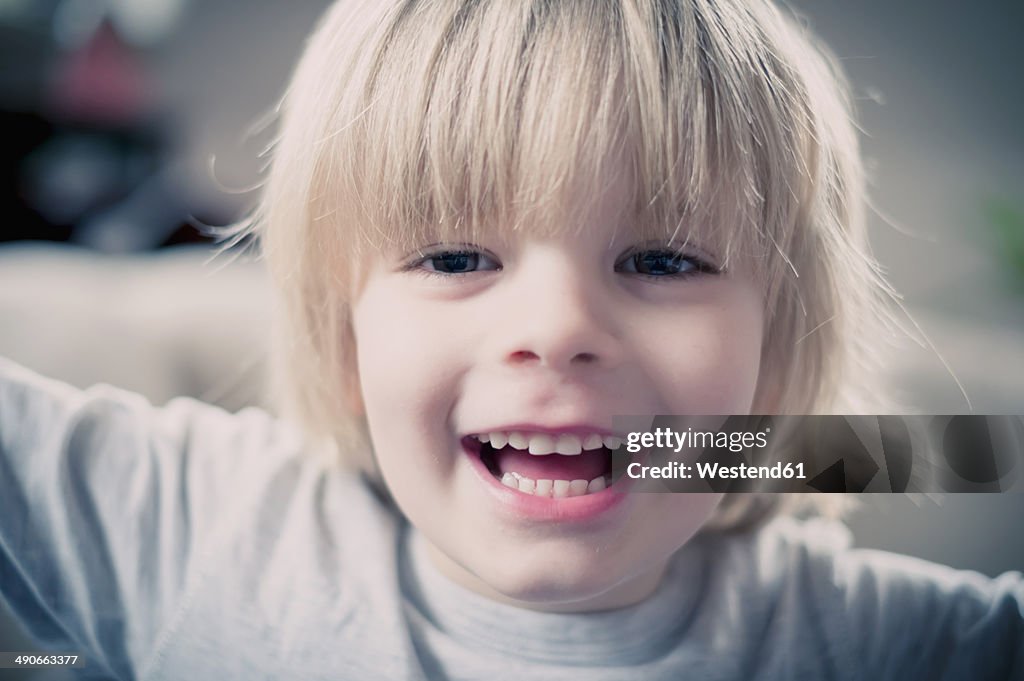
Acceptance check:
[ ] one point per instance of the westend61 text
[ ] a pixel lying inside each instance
(714, 471)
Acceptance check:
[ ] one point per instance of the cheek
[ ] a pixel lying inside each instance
(410, 363)
(712, 353)
(408, 359)
(406, 378)
(689, 511)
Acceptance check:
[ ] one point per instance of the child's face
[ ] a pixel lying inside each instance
(554, 334)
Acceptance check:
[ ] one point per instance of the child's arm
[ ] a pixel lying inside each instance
(109, 505)
(915, 619)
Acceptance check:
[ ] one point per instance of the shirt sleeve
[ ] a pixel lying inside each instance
(910, 619)
(108, 506)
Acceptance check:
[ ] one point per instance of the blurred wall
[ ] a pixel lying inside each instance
(941, 104)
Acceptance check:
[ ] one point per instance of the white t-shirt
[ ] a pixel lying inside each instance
(188, 543)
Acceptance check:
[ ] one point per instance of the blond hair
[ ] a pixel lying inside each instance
(414, 120)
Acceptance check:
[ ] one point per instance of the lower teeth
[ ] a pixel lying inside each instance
(554, 488)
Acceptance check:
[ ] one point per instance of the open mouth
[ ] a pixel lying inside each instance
(554, 466)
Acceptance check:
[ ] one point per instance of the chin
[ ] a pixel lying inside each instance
(547, 581)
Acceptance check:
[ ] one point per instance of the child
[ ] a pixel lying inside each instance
(493, 226)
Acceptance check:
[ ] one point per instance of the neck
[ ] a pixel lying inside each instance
(629, 591)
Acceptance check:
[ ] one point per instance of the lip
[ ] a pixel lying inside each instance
(570, 429)
(520, 506)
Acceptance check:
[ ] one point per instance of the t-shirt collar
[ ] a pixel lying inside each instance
(628, 635)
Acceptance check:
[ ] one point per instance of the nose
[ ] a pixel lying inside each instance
(559, 317)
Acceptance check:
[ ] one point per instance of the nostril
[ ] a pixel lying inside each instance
(585, 358)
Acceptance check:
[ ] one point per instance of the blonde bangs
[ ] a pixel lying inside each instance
(471, 117)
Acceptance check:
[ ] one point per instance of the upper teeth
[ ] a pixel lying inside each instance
(542, 443)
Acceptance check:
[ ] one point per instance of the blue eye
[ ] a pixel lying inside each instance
(663, 264)
(454, 262)
(654, 264)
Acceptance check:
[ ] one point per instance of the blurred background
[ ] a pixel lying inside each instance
(111, 111)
